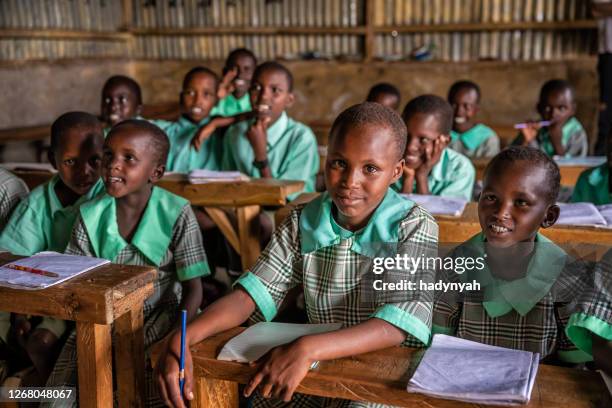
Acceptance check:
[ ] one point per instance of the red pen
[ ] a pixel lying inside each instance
(32, 270)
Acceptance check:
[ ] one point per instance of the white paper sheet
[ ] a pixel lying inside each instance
(463, 370)
(589, 161)
(260, 338)
(66, 266)
(437, 205)
(211, 176)
(580, 214)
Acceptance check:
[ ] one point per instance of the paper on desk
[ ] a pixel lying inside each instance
(211, 176)
(463, 370)
(589, 161)
(66, 266)
(260, 338)
(580, 214)
(436, 205)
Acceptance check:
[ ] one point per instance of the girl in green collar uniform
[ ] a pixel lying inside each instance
(327, 246)
(136, 223)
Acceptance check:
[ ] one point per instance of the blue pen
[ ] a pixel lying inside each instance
(182, 360)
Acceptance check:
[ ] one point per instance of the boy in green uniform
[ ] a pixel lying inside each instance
(136, 223)
(121, 100)
(565, 136)
(326, 247)
(198, 98)
(385, 94)
(431, 168)
(468, 137)
(528, 285)
(272, 145)
(43, 220)
(12, 190)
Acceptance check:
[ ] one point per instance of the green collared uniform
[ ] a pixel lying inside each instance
(480, 141)
(593, 186)
(334, 267)
(292, 152)
(230, 106)
(452, 176)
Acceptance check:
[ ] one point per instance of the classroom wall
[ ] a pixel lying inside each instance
(324, 88)
(37, 93)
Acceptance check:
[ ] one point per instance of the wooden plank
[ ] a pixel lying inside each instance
(209, 392)
(370, 38)
(25, 134)
(222, 221)
(497, 26)
(248, 233)
(95, 365)
(381, 376)
(127, 15)
(130, 357)
(65, 34)
(268, 30)
(232, 194)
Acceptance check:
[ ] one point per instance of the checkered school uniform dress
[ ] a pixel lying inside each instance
(537, 324)
(12, 190)
(160, 310)
(333, 278)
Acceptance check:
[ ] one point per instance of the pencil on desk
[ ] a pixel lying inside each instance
(182, 359)
(32, 270)
(526, 125)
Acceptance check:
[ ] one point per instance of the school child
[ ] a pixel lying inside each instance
(198, 98)
(43, 220)
(272, 145)
(529, 285)
(234, 90)
(121, 100)
(136, 223)
(469, 137)
(12, 190)
(593, 185)
(325, 246)
(565, 136)
(386, 94)
(429, 167)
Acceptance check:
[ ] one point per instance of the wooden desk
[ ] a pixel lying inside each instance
(246, 197)
(569, 174)
(379, 376)
(111, 294)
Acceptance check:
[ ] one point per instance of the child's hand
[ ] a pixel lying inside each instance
(202, 135)
(280, 372)
(432, 155)
(167, 374)
(226, 86)
(530, 132)
(408, 180)
(258, 137)
(20, 328)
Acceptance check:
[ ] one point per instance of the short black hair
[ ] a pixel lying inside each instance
(460, 86)
(71, 120)
(274, 66)
(555, 85)
(199, 70)
(372, 113)
(383, 88)
(127, 81)
(230, 61)
(534, 157)
(158, 139)
(431, 105)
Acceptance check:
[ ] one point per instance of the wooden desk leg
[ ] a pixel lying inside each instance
(248, 232)
(215, 393)
(94, 358)
(130, 358)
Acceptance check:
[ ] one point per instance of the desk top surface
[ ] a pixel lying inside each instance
(99, 295)
(382, 376)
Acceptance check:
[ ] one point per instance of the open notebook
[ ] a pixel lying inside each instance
(464, 370)
(260, 338)
(436, 205)
(585, 214)
(45, 269)
(211, 176)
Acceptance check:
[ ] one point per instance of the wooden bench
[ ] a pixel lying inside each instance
(381, 377)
